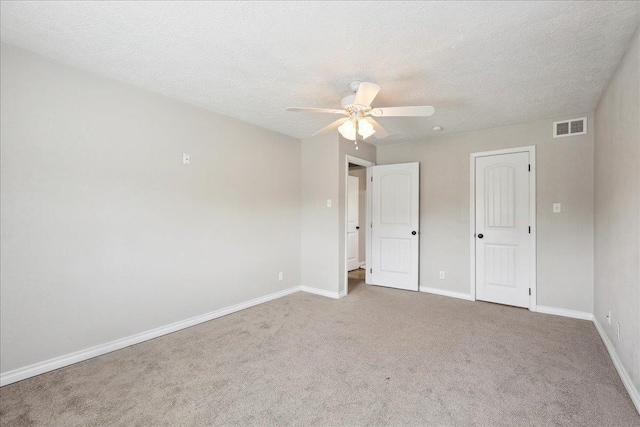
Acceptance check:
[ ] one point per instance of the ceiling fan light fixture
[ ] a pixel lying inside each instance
(348, 130)
(365, 129)
(360, 115)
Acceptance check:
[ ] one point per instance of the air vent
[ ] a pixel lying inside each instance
(570, 127)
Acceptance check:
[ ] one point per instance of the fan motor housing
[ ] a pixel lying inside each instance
(354, 86)
(347, 101)
(354, 110)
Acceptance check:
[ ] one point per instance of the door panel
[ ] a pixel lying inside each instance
(500, 265)
(499, 188)
(394, 219)
(352, 222)
(395, 255)
(395, 198)
(502, 229)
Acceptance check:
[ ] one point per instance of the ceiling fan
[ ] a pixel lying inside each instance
(358, 111)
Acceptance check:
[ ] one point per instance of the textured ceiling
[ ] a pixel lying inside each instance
(480, 64)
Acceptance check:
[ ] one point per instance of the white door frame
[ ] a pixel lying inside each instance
(367, 243)
(531, 149)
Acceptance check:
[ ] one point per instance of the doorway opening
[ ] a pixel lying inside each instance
(391, 224)
(356, 238)
(355, 229)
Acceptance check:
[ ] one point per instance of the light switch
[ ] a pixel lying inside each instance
(557, 208)
(328, 203)
(185, 159)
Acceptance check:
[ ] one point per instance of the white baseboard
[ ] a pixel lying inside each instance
(342, 293)
(324, 293)
(362, 264)
(442, 292)
(624, 375)
(564, 312)
(78, 356)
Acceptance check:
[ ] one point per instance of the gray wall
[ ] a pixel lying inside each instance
(320, 239)
(361, 173)
(323, 228)
(106, 234)
(564, 174)
(617, 210)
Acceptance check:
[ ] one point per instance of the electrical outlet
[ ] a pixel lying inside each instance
(618, 329)
(328, 203)
(442, 274)
(609, 317)
(185, 159)
(281, 276)
(557, 208)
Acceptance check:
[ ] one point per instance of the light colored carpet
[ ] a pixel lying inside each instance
(378, 357)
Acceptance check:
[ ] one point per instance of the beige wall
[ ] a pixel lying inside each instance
(106, 234)
(361, 173)
(617, 210)
(564, 175)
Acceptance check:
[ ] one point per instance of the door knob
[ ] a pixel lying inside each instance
(414, 232)
(480, 236)
(357, 227)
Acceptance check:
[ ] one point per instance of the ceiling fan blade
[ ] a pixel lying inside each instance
(380, 131)
(422, 111)
(315, 110)
(366, 93)
(332, 126)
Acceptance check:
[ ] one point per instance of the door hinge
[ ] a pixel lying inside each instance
(529, 291)
(371, 270)
(371, 179)
(371, 225)
(529, 229)
(529, 168)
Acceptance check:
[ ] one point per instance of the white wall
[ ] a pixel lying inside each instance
(360, 172)
(106, 234)
(564, 174)
(617, 210)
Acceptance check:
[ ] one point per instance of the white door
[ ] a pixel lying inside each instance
(502, 229)
(394, 226)
(352, 222)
